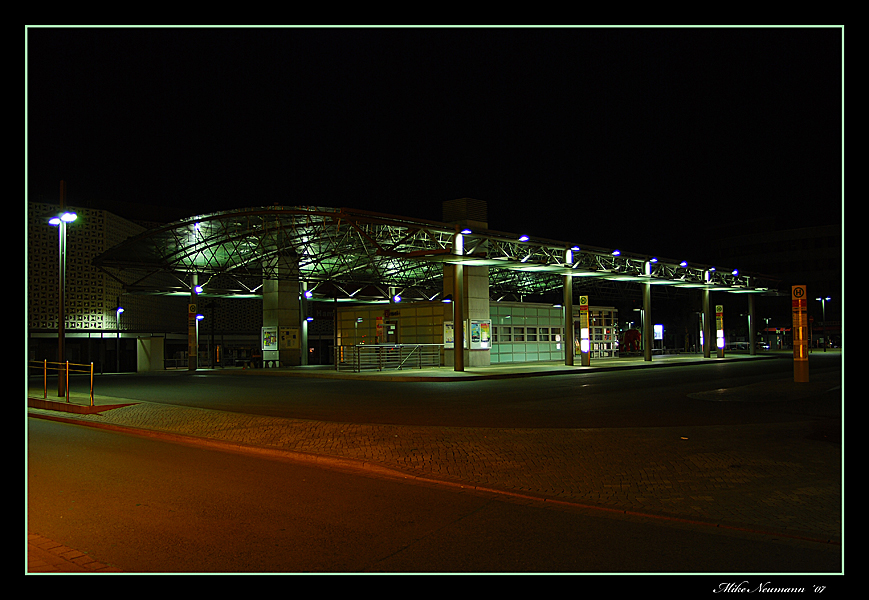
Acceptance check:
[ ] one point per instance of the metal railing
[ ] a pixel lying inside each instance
(379, 357)
(63, 370)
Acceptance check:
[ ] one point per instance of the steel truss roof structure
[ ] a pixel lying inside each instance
(353, 254)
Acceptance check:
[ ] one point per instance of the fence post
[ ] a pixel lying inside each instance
(92, 383)
(67, 381)
(45, 379)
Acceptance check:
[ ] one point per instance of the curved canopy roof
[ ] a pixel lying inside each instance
(348, 253)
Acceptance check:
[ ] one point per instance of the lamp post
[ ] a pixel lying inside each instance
(823, 302)
(60, 220)
(118, 312)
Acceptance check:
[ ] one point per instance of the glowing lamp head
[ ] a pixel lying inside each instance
(67, 217)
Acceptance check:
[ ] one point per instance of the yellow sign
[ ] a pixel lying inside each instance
(800, 329)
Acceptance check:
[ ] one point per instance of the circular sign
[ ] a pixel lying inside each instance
(799, 291)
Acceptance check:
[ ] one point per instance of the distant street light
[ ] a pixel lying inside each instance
(823, 302)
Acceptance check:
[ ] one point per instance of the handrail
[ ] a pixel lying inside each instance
(378, 357)
(64, 368)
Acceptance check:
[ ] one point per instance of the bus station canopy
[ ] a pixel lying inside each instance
(353, 254)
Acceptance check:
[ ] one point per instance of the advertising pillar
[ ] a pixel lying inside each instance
(800, 327)
(584, 329)
(719, 329)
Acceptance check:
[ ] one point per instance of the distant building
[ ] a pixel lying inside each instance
(93, 331)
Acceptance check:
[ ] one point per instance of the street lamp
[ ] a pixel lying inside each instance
(60, 220)
(118, 312)
(823, 302)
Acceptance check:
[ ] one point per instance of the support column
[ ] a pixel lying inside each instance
(752, 345)
(193, 325)
(459, 317)
(469, 288)
(647, 316)
(469, 285)
(707, 323)
(281, 309)
(303, 322)
(568, 321)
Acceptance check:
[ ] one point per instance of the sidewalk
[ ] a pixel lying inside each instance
(782, 479)
(504, 371)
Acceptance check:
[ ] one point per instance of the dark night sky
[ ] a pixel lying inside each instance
(633, 138)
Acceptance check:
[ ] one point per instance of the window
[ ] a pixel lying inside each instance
(544, 334)
(518, 334)
(531, 334)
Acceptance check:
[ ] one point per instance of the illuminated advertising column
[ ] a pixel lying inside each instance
(658, 330)
(269, 344)
(584, 337)
(800, 326)
(719, 329)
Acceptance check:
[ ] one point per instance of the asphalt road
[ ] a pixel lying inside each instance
(149, 506)
(638, 398)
